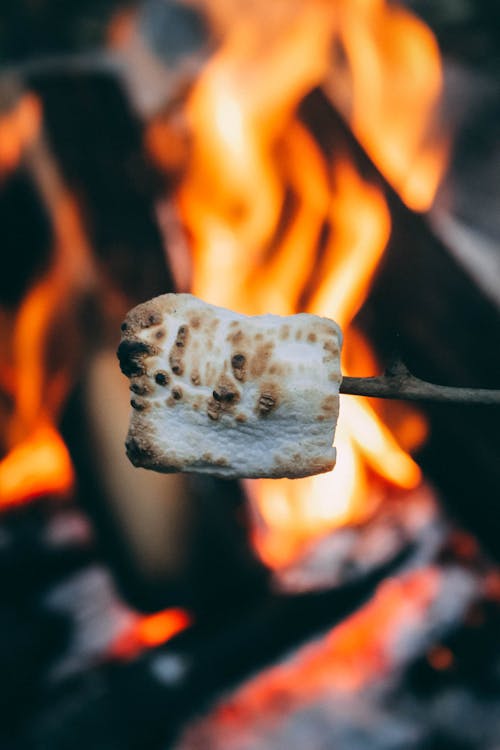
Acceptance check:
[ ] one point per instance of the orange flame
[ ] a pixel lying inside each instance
(395, 73)
(158, 628)
(259, 196)
(41, 367)
(18, 128)
(40, 465)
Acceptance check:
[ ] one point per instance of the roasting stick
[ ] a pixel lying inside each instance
(398, 382)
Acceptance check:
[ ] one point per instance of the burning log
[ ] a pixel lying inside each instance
(262, 378)
(144, 703)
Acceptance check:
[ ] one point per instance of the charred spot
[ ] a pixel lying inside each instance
(153, 319)
(181, 338)
(143, 316)
(195, 322)
(213, 409)
(131, 355)
(134, 451)
(177, 393)
(162, 377)
(312, 337)
(225, 392)
(140, 387)
(238, 363)
(268, 399)
(160, 334)
(266, 404)
(137, 404)
(176, 363)
(223, 395)
(241, 418)
(195, 378)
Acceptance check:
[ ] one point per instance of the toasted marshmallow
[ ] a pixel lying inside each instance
(220, 393)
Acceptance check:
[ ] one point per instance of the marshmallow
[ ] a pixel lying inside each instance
(220, 393)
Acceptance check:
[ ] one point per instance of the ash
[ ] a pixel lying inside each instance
(402, 672)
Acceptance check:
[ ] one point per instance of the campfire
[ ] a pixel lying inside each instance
(271, 159)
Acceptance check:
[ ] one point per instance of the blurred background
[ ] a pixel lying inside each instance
(339, 157)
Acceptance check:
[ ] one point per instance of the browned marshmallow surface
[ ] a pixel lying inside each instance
(221, 393)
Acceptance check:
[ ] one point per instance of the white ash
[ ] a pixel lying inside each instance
(291, 706)
(97, 615)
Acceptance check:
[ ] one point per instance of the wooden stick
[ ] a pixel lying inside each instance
(398, 383)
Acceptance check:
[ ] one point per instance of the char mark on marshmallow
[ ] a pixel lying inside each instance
(162, 378)
(131, 355)
(268, 400)
(182, 336)
(176, 361)
(239, 365)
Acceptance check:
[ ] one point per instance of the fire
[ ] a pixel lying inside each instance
(389, 90)
(162, 626)
(18, 127)
(39, 465)
(42, 344)
(148, 631)
(276, 227)
(353, 655)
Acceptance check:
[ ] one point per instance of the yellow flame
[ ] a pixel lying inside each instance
(259, 198)
(394, 84)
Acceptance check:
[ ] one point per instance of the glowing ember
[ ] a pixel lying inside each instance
(440, 658)
(361, 647)
(351, 656)
(149, 631)
(259, 199)
(157, 628)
